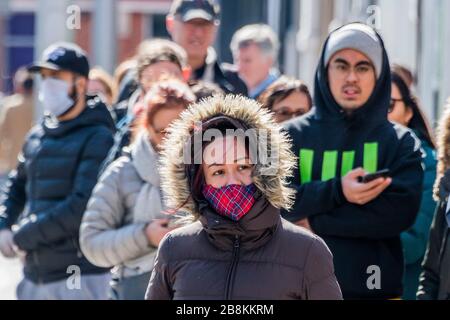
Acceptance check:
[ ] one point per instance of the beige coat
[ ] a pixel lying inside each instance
(16, 119)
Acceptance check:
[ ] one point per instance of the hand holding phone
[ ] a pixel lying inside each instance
(361, 188)
(374, 176)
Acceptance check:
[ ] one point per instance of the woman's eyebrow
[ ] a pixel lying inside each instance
(214, 165)
(235, 161)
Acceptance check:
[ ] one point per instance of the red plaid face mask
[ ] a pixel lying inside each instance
(233, 201)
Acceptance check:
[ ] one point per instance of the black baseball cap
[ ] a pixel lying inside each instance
(196, 9)
(63, 56)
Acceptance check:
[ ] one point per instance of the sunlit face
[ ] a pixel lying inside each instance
(253, 65)
(351, 78)
(294, 105)
(226, 162)
(156, 71)
(160, 122)
(195, 35)
(398, 111)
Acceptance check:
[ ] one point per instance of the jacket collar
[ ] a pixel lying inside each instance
(145, 159)
(253, 231)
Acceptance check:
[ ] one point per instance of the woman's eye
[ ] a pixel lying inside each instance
(218, 173)
(242, 168)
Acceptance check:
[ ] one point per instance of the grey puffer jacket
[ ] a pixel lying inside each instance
(125, 199)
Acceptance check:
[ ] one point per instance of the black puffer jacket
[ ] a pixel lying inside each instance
(435, 278)
(51, 186)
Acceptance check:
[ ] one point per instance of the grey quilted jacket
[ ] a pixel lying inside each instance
(125, 199)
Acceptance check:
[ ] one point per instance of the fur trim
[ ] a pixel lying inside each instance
(173, 175)
(443, 145)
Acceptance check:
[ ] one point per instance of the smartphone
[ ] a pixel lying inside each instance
(373, 176)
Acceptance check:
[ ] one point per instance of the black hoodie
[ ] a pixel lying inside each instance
(51, 186)
(329, 144)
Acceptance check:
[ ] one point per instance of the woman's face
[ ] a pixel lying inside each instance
(156, 71)
(294, 105)
(160, 122)
(398, 111)
(226, 162)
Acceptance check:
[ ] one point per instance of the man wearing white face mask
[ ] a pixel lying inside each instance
(45, 198)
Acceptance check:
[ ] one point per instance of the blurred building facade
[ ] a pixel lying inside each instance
(416, 32)
(25, 35)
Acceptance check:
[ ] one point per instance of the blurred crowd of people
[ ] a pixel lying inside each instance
(356, 206)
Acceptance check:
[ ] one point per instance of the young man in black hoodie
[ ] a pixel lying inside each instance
(345, 137)
(47, 194)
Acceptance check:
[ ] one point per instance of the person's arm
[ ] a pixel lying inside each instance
(319, 278)
(415, 239)
(63, 220)
(160, 286)
(104, 240)
(13, 196)
(314, 198)
(429, 279)
(391, 213)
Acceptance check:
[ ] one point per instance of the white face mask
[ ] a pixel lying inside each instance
(54, 95)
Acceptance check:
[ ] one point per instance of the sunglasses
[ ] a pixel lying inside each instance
(393, 103)
(287, 114)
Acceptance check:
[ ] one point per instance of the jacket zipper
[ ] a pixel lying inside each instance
(232, 270)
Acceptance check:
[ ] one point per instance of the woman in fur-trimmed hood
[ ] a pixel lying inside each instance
(238, 246)
(434, 282)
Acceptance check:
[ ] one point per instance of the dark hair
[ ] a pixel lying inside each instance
(24, 78)
(283, 88)
(405, 73)
(418, 122)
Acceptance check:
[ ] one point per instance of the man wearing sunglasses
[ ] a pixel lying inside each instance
(348, 136)
(193, 24)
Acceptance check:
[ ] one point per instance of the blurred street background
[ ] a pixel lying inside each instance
(10, 275)
(416, 32)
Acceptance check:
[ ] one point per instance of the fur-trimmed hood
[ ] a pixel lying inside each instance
(443, 145)
(174, 179)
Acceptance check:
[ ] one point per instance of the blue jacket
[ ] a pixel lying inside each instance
(47, 194)
(415, 239)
